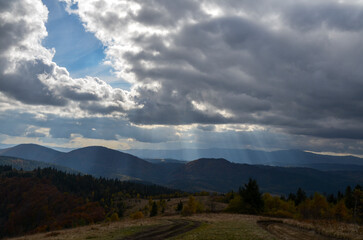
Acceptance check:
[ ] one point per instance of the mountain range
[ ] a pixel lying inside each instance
(207, 174)
(274, 158)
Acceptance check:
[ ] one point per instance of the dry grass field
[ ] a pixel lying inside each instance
(103, 231)
(213, 226)
(171, 225)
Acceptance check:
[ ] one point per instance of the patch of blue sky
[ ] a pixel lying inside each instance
(77, 50)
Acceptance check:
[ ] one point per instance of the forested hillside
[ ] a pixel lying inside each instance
(29, 165)
(48, 199)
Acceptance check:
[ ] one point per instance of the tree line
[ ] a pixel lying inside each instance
(48, 199)
(346, 206)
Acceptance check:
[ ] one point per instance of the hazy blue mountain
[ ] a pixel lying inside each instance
(28, 165)
(208, 173)
(32, 152)
(293, 158)
(221, 175)
(331, 167)
(275, 158)
(297, 157)
(101, 161)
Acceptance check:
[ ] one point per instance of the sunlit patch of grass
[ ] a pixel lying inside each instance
(224, 228)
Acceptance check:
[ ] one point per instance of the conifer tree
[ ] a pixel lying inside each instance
(251, 197)
(154, 210)
(300, 196)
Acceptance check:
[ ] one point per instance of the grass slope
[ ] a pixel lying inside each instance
(214, 226)
(226, 226)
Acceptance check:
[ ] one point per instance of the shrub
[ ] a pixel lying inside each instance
(235, 205)
(137, 215)
(114, 217)
(192, 206)
(275, 207)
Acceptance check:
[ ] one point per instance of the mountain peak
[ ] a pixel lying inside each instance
(95, 148)
(30, 145)
(100, 150)
(31, 152)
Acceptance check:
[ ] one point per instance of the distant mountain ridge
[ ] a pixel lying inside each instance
(219, 174)
(101, 161)
(32, 152)
(274, 158)
(211, 174)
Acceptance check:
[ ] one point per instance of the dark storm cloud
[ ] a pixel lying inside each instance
(95, 107)
(286, 78)
(345, 17)
(25, 86)
(161, 108)
(74, 94)
(11, 34)
(348, 132)
(167, 13)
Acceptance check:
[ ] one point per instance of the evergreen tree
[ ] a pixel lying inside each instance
(154, 210)
(179, 206)
(291, 197)
(300, 196)
(331, 199)
(251, 197)
(340, 196)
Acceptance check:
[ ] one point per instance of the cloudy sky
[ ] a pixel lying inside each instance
(263, 74)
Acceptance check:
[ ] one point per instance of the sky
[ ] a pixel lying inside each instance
(159, 74)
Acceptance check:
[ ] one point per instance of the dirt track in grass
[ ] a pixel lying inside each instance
(285, 231)
(175, 228)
